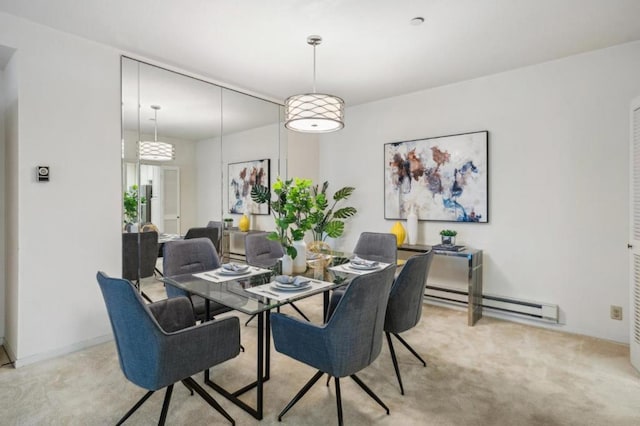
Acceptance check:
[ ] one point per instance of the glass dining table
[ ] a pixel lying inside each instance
(254, 293)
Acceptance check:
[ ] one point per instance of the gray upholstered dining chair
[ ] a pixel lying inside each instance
(376, 246)
(404, 309)
(139, 256)
(264, 253)
(159, 344)
(219, 226)
(350, 341)
(189, 257)
(205, 232)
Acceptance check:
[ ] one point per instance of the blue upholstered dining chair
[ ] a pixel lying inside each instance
(350, 341)
(189, 257)
(159, 344)
(404, 309)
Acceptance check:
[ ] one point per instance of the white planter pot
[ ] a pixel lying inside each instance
(287, 265)
(300, 262)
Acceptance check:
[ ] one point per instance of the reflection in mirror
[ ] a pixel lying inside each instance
(250, 134)
(208, 127)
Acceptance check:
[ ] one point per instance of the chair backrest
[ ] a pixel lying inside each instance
(404, 309)
(260, 251)
(189, 256)
(137, 264)
(206, 232)
(136, 332)
(381, 247)
(356, 327)
(219, 226)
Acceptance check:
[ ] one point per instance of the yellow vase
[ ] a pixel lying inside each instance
(243, 223)
(399, 232)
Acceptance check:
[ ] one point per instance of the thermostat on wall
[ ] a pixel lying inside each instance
(42, 173)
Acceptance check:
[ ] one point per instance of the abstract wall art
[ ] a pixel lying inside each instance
(242, 177)
(443, 178)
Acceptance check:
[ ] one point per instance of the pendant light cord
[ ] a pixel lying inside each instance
(314, 67)
(155, 125)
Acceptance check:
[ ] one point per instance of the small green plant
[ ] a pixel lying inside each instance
(448, 233)
(130, 203)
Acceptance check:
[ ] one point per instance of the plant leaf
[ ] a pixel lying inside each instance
(343, 193)
(344, 212)
(260, 194)
(335, 228)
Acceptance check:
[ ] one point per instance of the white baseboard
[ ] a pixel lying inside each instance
(58, 352)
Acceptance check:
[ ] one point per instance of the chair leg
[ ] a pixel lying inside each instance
(410, 349)
(299, 311)
(328, 379)
(395, 362)
(165, 405)
(249, 320)
(189, 382)
(339, 401)
(300, 394)
(186, 385)
(369, 391)
(135, 407)
(142, 293)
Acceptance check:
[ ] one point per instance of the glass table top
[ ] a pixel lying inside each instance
(234, 294)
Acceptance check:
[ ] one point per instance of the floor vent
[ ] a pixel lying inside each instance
(523, 308)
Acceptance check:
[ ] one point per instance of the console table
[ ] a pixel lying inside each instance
(233, 244)
(474, 277)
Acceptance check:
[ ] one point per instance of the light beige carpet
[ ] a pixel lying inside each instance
(496, 373)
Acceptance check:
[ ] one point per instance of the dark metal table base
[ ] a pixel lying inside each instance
(263, 370)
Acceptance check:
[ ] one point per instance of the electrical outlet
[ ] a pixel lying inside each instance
(616, 312)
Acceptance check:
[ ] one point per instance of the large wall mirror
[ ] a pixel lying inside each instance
(179, 137)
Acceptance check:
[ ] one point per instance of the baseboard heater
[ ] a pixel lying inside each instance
(523, 308)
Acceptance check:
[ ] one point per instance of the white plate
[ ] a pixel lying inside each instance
(284, 287)
(237, 269)
(232, 273)
(363, 267)
(285, 279)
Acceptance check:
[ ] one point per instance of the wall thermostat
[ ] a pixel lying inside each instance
(43, 173)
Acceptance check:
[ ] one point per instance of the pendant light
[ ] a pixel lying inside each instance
(314, 112)
(156, 151)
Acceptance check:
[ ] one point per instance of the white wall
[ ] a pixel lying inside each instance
(558, 178)
(11, 219)
(2, 203)
(303, 154)
(68, 228)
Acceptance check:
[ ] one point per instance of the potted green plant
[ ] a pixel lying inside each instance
(291, 209)
(448, 237)
(329, 221)
(130, 203)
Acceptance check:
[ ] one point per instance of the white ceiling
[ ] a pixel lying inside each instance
(370, 51)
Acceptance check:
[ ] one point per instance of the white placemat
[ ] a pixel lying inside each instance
(345, 268)
(216, 277)
(269, 290)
